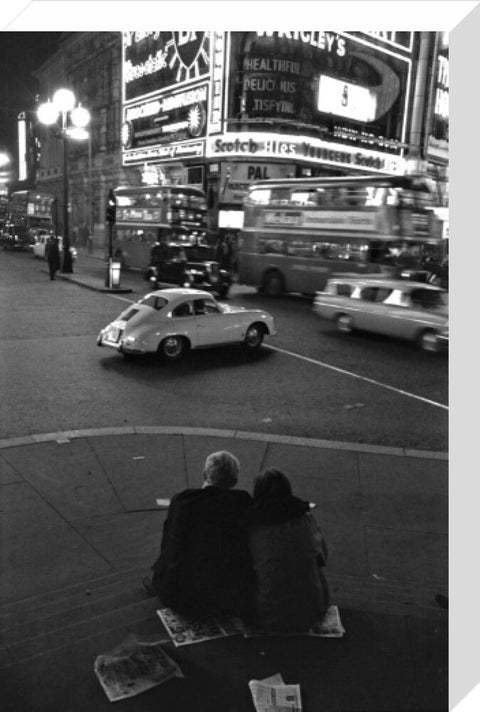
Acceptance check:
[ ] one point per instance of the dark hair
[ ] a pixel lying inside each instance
(271, 483)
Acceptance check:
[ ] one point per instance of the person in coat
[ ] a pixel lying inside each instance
(52, 253)
(288, 555)
(204, 565)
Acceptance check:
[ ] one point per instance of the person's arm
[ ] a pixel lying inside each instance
(320, 546)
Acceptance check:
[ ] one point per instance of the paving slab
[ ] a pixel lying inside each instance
(318, 463)
(398, 554)
(406, 474)
(67, 475)
(40, 551)
(125, 541)
(8, 473)
(142, 467)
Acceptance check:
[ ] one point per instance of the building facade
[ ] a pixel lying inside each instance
(220, 110)
(88, 63)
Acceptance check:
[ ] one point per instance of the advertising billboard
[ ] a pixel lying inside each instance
(335, 86)
(166, 84)
(437, 136)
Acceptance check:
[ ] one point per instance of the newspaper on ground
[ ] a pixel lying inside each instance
(185, 630)
(329, 627)
(273, 695)
(133, 667)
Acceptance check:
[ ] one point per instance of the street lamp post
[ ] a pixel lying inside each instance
(74, 119)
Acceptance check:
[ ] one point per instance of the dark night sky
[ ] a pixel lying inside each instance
(20, 54)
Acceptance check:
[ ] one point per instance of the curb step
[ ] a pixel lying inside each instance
(27, 609)
(71, 614)
(38, 624)
(68, 635)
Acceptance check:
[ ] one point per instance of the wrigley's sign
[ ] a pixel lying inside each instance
(302, 148)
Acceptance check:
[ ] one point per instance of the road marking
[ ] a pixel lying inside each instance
(356, 375)
(122, 299)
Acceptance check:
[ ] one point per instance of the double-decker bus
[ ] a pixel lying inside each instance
(297, 232)
(3, 210)
(146, 215)
(30, 212)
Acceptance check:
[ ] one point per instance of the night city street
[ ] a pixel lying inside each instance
(281, 197)
(311, 382)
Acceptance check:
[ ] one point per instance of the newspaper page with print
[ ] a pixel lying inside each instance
(329, 627)
(273, 695)
(185, 630)
(133, 667)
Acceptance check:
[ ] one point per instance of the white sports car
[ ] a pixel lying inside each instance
(171, 321)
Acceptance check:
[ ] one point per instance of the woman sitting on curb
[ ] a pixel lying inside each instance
(288, 554)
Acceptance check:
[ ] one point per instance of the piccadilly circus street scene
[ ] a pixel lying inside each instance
(224, 430)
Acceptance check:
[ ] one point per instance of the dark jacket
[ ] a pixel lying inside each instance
(288, 553)
(204, 563)
(52, 253)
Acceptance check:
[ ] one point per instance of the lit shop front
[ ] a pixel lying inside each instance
(223, 109)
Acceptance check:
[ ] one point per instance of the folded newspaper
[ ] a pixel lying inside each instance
(133, 667)
(273, 695)
(329, 627)
(185, 630)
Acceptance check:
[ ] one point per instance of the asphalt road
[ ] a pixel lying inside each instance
(313, 382)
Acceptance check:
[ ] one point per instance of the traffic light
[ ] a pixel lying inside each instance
(111, 207)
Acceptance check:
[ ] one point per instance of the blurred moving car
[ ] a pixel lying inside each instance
(39, 247)
(188, 266)
(398, 308)
(171, 321)
(14, 237)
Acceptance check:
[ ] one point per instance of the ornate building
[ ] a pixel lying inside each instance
(89, 63)
(222, 109)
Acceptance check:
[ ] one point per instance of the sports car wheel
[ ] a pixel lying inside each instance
(254, 336)
(172, 348)
(428, 341)
(344, 324)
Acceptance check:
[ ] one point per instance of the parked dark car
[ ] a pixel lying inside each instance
(188, 266)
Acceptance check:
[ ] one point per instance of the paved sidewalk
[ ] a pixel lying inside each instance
(80, 527)
(90, 271)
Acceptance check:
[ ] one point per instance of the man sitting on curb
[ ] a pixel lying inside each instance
(204, 565)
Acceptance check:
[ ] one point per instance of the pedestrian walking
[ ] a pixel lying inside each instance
(87, 238)
(52, 253)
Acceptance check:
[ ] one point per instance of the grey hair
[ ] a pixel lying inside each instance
(221, 469)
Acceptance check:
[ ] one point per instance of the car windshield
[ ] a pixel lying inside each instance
(199, 252)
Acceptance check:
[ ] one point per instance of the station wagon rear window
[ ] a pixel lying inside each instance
(343, 290)
(426, 298)
(375, 294)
